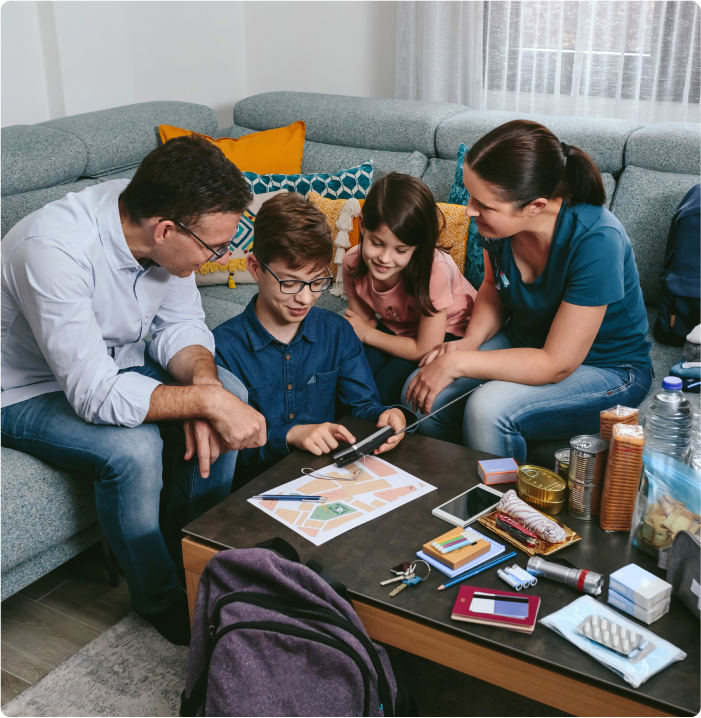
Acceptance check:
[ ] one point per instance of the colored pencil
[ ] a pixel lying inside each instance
(478, 569)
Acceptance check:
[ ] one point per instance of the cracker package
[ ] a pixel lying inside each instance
(616, 415)
(622, 478)
(673, 502)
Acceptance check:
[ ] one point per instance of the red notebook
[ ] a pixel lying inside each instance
(505, 609)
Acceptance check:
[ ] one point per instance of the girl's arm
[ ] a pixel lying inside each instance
(363, 310)
(488, 317)
(571, 336)
(430, 336)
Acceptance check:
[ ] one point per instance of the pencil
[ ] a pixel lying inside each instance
(477, 569)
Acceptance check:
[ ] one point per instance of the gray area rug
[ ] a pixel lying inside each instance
(130, 670)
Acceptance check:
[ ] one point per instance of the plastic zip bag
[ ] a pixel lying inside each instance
(673, 502)
(566, 620)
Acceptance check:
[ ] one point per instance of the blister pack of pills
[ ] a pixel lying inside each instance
(632, 644)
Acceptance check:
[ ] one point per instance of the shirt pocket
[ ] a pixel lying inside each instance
(260, 398)
(321, 396)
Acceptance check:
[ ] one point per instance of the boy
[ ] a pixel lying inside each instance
(297, 360)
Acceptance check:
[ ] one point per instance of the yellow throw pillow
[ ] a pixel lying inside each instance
(331, 208)
(276, 151)
(455, 232)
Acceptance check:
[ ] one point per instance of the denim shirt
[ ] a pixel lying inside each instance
(301, 382)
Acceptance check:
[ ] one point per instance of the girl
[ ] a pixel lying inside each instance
(558, 328)
(399, 272)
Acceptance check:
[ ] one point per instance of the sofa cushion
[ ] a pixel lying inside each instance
(602, 139)
(278, 150)
(645, 203)
(35, 157)
(319, 157)
(18, 206)
(439, 176)
(42, 505)
(666, 147)
(392, 125)
(122, 136)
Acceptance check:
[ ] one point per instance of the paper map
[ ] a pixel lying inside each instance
(380, 488)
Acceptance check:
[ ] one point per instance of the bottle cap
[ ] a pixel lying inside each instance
(672, 383)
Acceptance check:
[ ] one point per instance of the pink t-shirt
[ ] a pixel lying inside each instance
(400, 312)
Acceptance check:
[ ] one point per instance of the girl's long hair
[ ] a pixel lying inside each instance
(523, 161)
(406, 205)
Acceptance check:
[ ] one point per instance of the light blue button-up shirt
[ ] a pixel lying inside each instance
(76, 306)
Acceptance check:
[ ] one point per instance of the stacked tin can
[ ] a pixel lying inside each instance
(562, 463)
(586, 477)
(541, 488)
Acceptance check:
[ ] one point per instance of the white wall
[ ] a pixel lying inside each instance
(344, 48)
(67, 57)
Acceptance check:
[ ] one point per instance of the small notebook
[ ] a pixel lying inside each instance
(504, 609)
(495, 549)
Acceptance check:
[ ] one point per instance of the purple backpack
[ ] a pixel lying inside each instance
(272, 637)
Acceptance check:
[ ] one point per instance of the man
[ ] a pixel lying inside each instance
(84, 279)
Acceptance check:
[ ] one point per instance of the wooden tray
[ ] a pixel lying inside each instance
(543, 548)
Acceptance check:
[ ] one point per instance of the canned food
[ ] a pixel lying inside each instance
(584, 501)
(547, 507)
(562, 463)
(540, 483)
(588, 460)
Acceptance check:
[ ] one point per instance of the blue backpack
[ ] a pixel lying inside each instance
(681, 275)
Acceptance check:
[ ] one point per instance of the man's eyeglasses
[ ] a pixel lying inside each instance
(295, 286)
(216, 253)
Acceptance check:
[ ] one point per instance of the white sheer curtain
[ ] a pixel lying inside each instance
(631, 59)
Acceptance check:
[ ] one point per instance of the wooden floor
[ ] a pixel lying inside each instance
(53, 618)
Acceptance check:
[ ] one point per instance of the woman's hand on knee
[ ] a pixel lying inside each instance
(430, 382)
(442, 349)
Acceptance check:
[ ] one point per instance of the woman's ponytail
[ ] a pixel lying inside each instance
(581, 181)
(523, 161)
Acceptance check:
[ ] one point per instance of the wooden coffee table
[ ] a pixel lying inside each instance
(542, 666)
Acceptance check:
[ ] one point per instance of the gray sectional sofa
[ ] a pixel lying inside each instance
(48, 514)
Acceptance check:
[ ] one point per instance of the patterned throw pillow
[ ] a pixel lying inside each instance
(455, 233)
(213, 273)
(331, 208)
(353, 182)
(474, 259)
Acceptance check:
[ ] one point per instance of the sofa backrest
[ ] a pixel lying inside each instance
(42, 163)
(662, 163)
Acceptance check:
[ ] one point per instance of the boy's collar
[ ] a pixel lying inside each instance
(260, 337)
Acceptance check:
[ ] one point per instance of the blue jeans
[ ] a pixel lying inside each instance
(128, 467)
(391, 372)
(500, 416)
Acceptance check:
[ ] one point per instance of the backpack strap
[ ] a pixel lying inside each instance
(285, 549)
(337, 586)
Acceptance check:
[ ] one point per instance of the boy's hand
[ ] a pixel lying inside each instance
(361, 326)
(396, 419)
(319, 438)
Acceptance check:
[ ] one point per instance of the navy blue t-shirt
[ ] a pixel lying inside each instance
(590, 263)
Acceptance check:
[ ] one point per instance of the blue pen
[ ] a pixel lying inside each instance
(477, 569)
(290, 497)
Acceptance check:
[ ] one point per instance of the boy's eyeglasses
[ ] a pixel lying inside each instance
(295, 286)
(216, 253)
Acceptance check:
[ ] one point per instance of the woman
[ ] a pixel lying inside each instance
(558, 328)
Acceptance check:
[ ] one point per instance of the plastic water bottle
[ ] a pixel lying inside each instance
(668, 427)
(695, 454)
